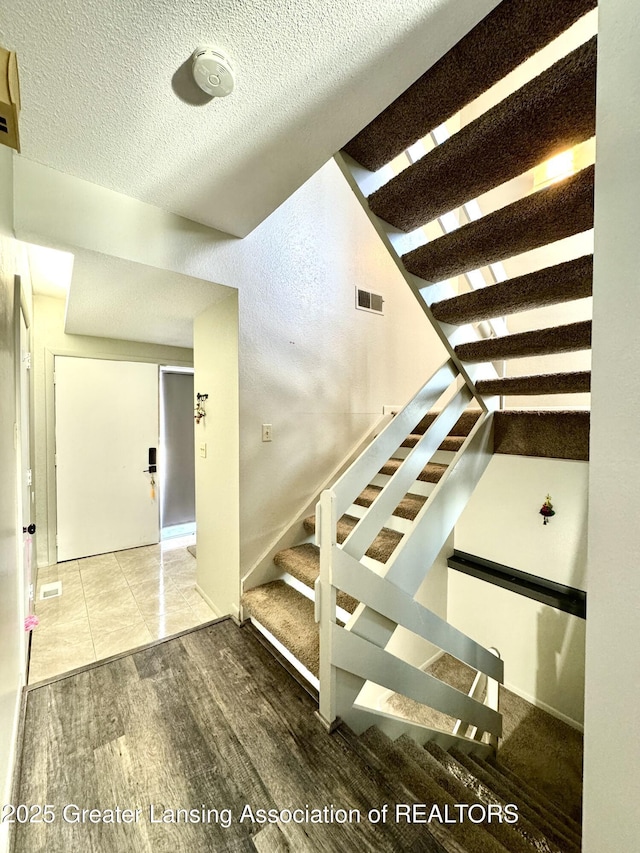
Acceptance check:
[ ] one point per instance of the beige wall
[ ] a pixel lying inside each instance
(612, 744)
(11, 586)
(218, 473)
(49, 339)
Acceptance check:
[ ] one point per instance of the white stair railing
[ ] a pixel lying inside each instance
(354, 654)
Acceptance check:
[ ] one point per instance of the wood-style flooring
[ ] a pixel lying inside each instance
(208, 720)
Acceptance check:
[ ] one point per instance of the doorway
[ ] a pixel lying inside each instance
(177, 457)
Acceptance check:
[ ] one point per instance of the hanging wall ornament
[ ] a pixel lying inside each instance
(547, 510)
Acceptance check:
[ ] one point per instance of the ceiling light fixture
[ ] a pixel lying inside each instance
(212, 71)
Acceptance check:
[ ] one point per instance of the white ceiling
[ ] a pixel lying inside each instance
(114, 298)
(99, 82)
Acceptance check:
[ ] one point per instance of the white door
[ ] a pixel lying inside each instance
(106, 421)
(25, 469)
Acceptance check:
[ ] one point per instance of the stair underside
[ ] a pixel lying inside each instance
(550, 286)
(551, 113)
(511, 33)
(550, 214)
(546, 383)
(551, 434)
(569, 338)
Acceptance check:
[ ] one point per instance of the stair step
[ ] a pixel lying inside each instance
(551, 113)
(408, 508)
(502, 832)
(431, 473)
(462, 426)
(485, 793)
(545, 824)
(552, 434)
(303, 563)
(493, 771)
(568, 338)
(550, 214)
(546, 383)
(548, 805)
(550, 286)
(380, 549)
(289, 616)
(502, 40)
(452, 443)
(397, 766)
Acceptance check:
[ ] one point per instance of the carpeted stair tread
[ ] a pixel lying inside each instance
(503, 832)
(431, 473)
(421, 838)
(451, 443)
(380, 549)
(550, 286)
(544, 750)
(553, 213)
(289, 616)
(544, 801)
(551, 113)
(303, 562)
(486, 794)
(551, 434)
(408, 508)
(545, 383)
(395, 763)
(556, 339)
(513, 31)
(558, 824)
(545, 824)
(462, 426)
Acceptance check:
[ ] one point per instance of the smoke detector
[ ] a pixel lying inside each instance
(212, 71)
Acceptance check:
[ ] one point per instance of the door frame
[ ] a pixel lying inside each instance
(51, 513)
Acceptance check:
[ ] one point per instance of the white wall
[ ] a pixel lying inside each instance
(612, 746)
(49, 339)
(502, 522)
(543, 648)
(218, 473)
(310, 364)
(11, 630)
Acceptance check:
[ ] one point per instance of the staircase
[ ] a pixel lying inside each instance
(337, 606)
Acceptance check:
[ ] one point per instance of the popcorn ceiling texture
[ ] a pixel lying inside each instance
(98, 101)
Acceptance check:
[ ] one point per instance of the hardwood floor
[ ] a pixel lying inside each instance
(207, 721)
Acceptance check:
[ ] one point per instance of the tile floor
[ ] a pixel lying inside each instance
(114, 602)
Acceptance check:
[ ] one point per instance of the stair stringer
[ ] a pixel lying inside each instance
(353, 655)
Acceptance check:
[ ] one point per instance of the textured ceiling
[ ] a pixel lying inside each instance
(107, 97)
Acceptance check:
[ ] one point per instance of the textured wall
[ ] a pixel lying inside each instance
(310, 364)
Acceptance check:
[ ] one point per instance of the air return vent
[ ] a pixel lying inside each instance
(367, 301)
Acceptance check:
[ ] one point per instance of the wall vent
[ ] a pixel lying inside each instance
(367, 301)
